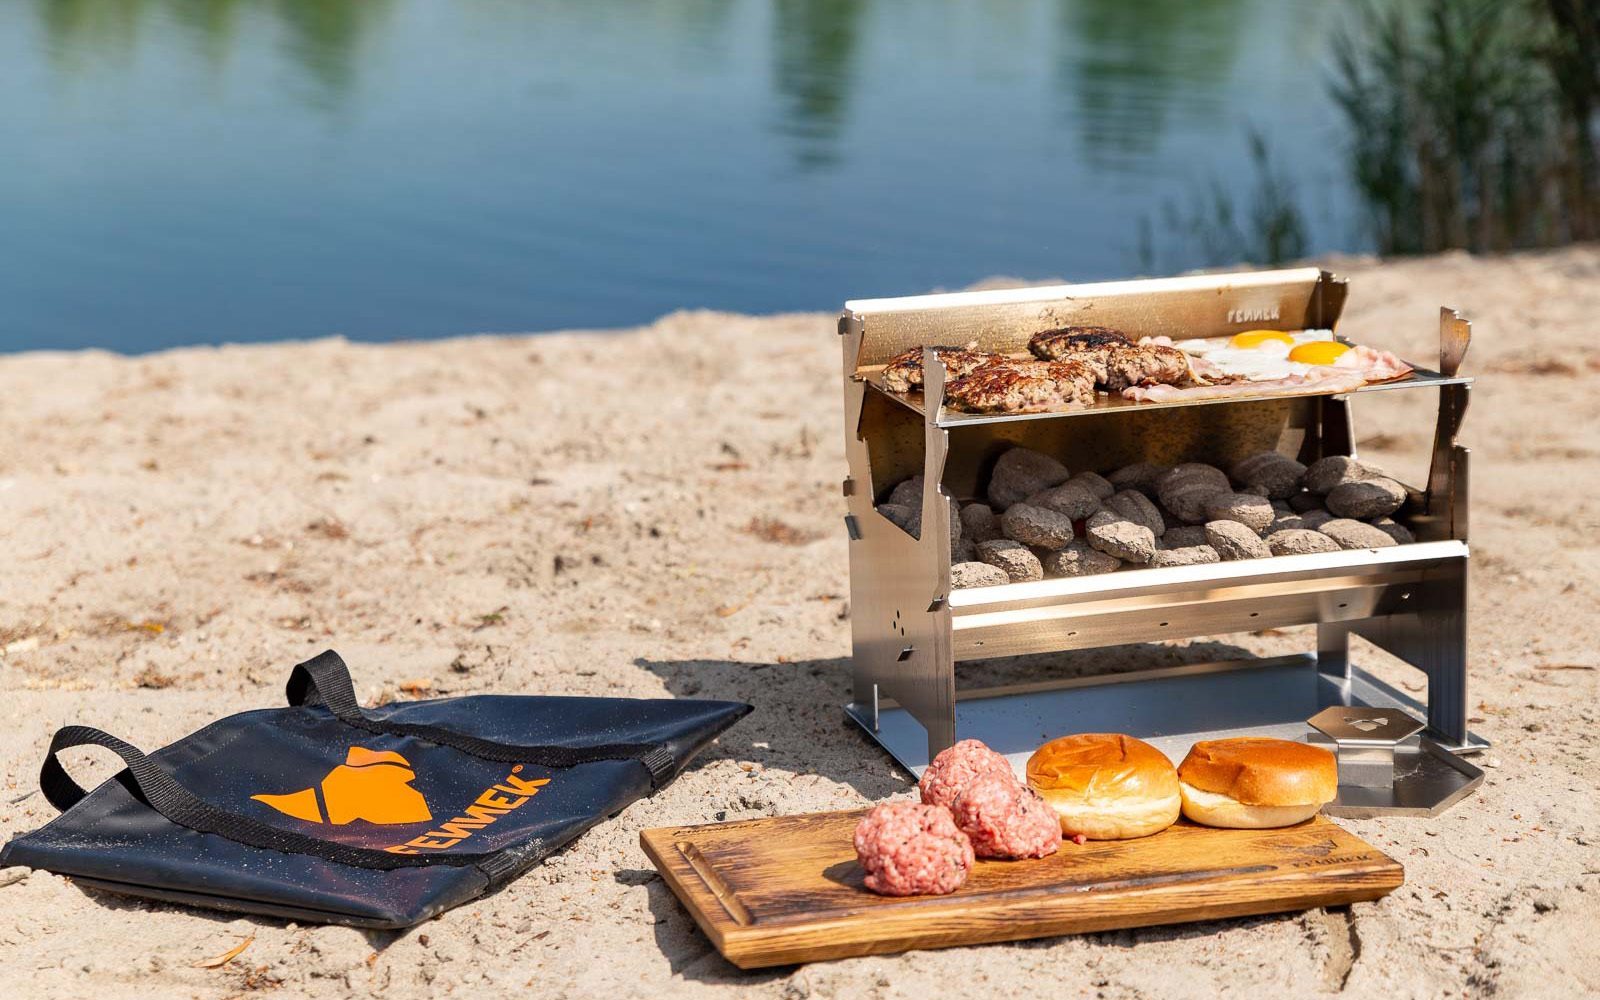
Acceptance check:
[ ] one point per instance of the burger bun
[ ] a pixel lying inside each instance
(1106, 786)
(1255, 783)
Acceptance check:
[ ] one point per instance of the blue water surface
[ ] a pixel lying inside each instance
(205, 171)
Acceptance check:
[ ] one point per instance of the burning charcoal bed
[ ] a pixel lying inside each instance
(1072, 529)
(1122, 517)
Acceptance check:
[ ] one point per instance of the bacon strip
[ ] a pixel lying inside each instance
(1373, 364)
(1331, 379)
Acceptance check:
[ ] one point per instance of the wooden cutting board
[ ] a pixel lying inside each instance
(788, 889)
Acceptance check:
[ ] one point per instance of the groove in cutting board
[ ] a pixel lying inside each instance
(708, 874)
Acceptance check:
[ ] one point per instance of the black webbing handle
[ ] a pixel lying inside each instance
(166, 796)
(325, 680)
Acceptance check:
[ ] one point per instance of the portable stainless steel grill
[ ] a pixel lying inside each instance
(911, 630)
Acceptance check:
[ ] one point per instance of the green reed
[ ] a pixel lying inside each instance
(1472, 122)
(1266, 227)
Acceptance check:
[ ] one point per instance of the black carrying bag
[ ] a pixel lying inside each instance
(330, 813)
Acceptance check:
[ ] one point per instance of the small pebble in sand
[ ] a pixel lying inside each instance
(1036, 526)
(1233, 540)
(1370, 498)
(1254, 512)
(1356, 534)
(1121, 538)
(976, 574)
(1299, 542)
(1016, 560)
(1078, 559)
(1020, 473)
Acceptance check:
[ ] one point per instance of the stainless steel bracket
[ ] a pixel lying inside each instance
(1385, 767)
(1364, 740)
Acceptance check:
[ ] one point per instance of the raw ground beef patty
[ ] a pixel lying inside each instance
(956, 767)
(910, 849)
(1006, 819)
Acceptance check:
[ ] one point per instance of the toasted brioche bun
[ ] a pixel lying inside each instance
(1106, 786)
(1253, 783)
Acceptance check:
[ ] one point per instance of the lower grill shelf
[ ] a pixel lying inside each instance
(1174, 708)
(1348, 586)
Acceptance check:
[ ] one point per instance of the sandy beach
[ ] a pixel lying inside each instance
(656, 512)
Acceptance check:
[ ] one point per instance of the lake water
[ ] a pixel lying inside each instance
(201, 171)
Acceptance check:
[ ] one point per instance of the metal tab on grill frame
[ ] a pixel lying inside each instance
(1365, 740)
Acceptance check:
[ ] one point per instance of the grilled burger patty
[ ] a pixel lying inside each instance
(903, 373)
(1090, 344)
(1008, 386)
(1145, 364)
(1116, 361)
(1066, 341)
(1073, 361)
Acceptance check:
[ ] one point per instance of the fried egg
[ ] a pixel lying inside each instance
(1270, 342)
(1322, 352)
(1255, 365)
(1261, 355)
(1261, 339)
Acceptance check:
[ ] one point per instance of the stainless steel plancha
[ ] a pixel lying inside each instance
(910, 629)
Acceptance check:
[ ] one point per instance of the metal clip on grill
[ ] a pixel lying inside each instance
(910, 630)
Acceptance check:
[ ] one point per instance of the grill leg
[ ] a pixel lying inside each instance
(1333, 651)
(1443, 657)
(1433, 638)
(941, 735)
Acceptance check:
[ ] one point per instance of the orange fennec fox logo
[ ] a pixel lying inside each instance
(492, 803)
(375, 786)
(371, 785)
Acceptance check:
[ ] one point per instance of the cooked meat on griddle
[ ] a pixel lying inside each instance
(1054, 345)
(903, 373)
(1115, 360)
(1090, 344)
(1146, 364)
(1009, 386)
